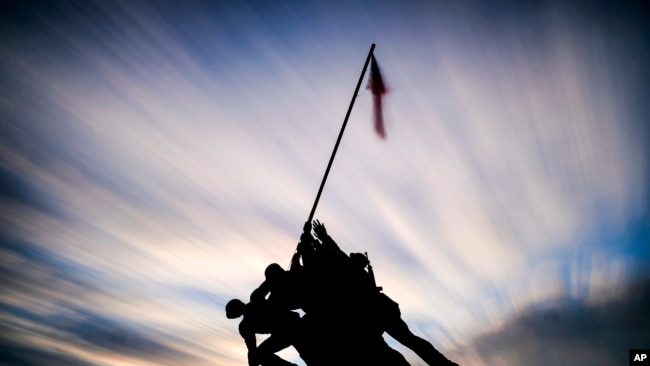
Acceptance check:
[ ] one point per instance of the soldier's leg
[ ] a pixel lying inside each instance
(399, 330)
(389, 356)
(266, 351)
(275, 360)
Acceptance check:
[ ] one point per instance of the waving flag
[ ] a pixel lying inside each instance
(377, 87)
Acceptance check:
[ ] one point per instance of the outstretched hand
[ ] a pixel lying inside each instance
(319, 230)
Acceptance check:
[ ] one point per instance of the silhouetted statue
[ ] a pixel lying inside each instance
(345, 313)
(386, 315)
(283, 288)
(260, 318)
(339, 313)
(395, 326)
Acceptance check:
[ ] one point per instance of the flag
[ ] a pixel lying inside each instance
(377, 88)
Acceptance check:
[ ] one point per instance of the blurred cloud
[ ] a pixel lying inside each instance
(570, 330)
(156, 157)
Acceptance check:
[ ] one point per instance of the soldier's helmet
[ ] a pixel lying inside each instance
(273, 271)
(234, 309)
(359, 260)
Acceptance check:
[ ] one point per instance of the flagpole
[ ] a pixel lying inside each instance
(338, 140)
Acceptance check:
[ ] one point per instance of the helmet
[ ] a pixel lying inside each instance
(273, 271)
(234, 309)
(359, 259)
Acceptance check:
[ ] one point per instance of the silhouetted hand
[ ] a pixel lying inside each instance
(306, 228)
(319, 230)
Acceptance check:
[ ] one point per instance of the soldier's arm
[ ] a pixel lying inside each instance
(251, 342)
(295, 263)
(259, 294)
(323, 236)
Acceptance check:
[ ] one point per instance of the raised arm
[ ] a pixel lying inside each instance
(259, 294)
(295, 262)
(251, 342)
(321, 234)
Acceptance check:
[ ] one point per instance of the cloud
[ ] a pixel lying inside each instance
(155, 158)
(570, 331)
(59, 308)
(17, 354)
(92, 332)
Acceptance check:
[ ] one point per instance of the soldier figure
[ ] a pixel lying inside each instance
(261, 318)
(345, 312)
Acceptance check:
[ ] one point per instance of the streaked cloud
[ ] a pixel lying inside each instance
(155, 158)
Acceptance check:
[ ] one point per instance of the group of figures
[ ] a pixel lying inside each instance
(344, 312)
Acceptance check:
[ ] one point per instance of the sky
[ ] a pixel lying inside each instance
(156, 156)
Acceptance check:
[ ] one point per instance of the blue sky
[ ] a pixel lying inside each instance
(156, 157)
